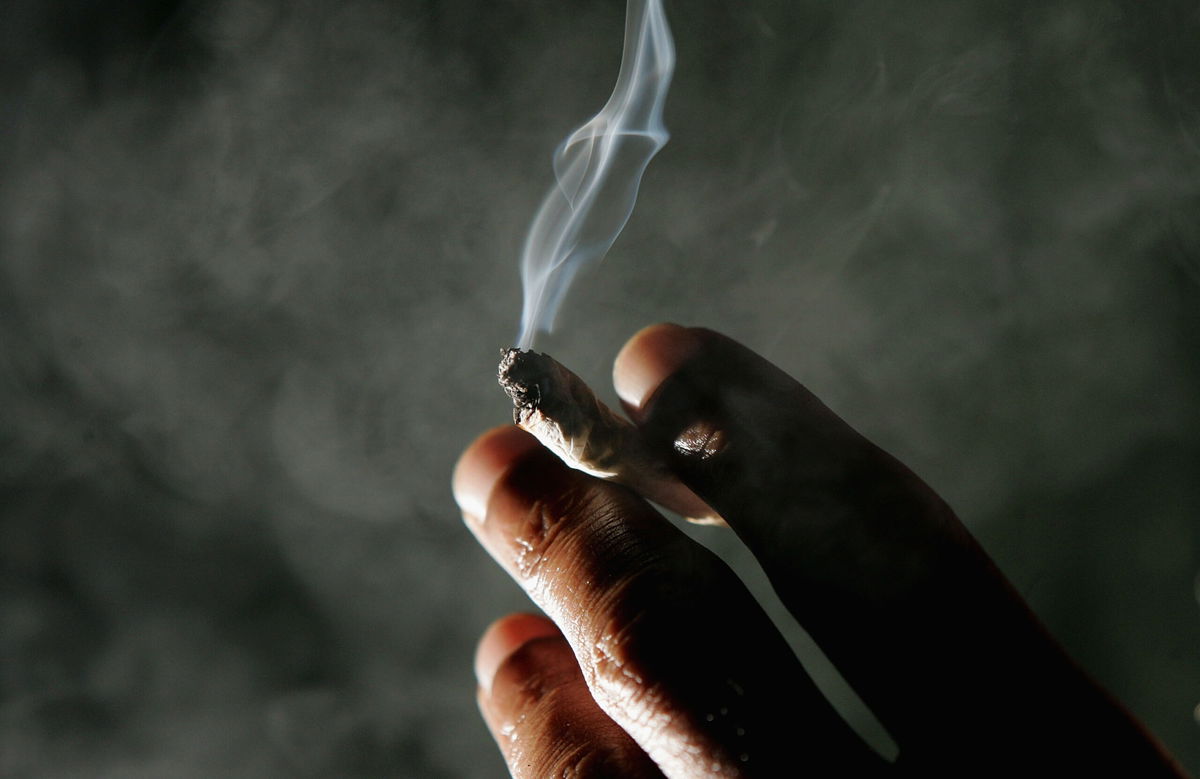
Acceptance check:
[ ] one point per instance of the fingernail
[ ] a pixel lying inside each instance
(483, 463)
(503, 637)
(647, 358)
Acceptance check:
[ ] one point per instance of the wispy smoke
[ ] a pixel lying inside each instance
(598, 170)
(253, 252)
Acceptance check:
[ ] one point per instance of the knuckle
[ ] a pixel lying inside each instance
(623, 632)
(553, 521)
(585, 761)
(533, 536)
(634, 627)
(701, 440)
(619, 685)
(561, 750)
(540, 689)
(547, 729)
(533, 673)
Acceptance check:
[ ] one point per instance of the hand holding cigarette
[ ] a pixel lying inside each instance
(561, 411)
(656, 661)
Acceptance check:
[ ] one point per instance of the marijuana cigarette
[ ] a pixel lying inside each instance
(562, 412)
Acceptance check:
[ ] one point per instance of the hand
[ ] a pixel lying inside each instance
(655, 660)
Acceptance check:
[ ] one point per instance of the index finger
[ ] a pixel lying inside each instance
(869, 559)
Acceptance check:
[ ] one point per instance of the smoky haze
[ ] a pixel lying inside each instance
(257, 260)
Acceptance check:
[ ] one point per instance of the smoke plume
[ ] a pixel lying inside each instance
(598, 169)
(256, 263)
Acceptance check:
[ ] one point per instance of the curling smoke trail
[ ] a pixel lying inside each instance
(598, 168)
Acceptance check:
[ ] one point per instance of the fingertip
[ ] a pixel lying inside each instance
(503, 637)
(649, 357)
(483, 463)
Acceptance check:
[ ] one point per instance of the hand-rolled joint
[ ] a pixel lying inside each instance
(561, 411)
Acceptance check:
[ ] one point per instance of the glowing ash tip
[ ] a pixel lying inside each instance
(598, 169)
(519, 373)
(561, 411)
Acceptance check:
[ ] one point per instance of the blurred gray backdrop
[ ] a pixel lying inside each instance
(257, 259)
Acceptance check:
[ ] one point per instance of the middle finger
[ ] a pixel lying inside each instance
(670, 642)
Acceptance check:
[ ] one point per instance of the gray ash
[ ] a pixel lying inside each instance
(533, 380)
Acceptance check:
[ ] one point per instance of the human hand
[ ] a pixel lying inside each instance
(657, 661)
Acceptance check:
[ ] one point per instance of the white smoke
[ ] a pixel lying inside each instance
(598, 169)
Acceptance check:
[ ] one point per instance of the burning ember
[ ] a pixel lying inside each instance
(562, 412)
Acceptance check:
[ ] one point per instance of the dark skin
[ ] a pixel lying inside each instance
(656, 661)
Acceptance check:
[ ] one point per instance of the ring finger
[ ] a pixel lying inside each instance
(672, 646)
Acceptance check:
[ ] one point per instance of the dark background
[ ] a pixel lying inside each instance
(257, 259)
